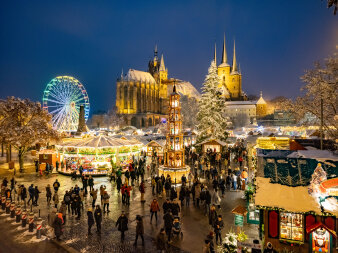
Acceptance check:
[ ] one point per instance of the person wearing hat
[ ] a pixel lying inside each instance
(269, 248)
(90, 220)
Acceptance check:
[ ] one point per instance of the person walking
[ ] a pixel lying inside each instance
(154, 208)
(142, 191)
(67, 199)
(36, 196)
(56, 199)
(212, 216)
(93, 193)
(98, 218)
(122, 225)
(168, 224)
(91, 183)
(106, 202)
(48, 194)
(24, 194)
(218, 226)
(63, 210)
(90, 219)
(56, 185)
(78, 206)
(139, 229)
(31, 193)
(58, 226)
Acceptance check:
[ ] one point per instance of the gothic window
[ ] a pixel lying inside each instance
(131, 98)
(126, 97)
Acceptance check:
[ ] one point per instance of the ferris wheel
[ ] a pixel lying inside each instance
(62, 98)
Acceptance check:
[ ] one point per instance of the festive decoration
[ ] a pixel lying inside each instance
(212, 123)
(230, 242)
(174, 163)
(62, 98)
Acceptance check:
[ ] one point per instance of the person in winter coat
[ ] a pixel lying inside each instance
(269, 248)
(73, 204)
(93, 193)
(215, 199)
(56, 185)
(118, 184)
(198, 194)
(31, 193)
(207, 200)
(173, 193)
(142, 191)
(56, 199)
(67, 199)
(122, 225)
(139, 229)
(182, 195)
(63, 210)
(102, 190)
(154, 208)
(218, 229)
(91, 183)
(206, 247)
(36, 195)
(78, 206)
(98, 218)
(106, 202)
(212, 216)
(168, 224)
(48, 194)
(161, 241)
(58, 226)
(175, 208)
(51, 217)
(24, 195)
(167, 187)
(239, 183)
(90, 218)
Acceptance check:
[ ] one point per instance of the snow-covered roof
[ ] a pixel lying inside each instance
(292, 199)
(159, 142)
(240, 102)
(224, 64)
(139, 76)
(98, 142)
(222, 143)
(261, 101)
(239, 106)
(184, 88)
(319, 155)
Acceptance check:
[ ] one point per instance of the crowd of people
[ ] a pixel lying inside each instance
(204, 188)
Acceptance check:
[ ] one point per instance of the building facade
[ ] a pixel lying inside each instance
(142, 96)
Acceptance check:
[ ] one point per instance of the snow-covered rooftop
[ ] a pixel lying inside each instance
(139, 76)
(293, 199)
(184, 88)
(261, 101)
(240, 103)
(319, 155)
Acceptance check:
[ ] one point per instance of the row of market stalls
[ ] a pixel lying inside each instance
(295, 196)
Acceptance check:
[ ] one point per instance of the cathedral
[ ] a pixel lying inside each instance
(142, 96)
(240, 110)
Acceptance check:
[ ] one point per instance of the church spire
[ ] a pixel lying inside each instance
(155, 53)
(234, 63)
(162, 66)
(215, 59)
(224, 55)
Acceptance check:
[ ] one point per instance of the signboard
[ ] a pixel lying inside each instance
(239, 220)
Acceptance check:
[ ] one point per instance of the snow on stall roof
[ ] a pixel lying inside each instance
(222, 143)
(292, 199)
(319, 155)
(140, 76)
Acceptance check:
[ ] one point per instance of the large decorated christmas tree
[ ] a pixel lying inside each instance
(210, 117)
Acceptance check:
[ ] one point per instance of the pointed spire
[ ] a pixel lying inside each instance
(162, 66)
(122, 74)
(234, 63)
(261, 93)
(155, 50)
(215, 59)
(224, 55)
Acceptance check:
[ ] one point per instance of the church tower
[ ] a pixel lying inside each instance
(163, 71)
(223, 71)
(235, 85)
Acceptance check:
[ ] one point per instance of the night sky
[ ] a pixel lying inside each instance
(93, 40)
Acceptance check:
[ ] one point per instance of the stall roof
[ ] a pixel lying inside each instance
(99, 142)
(319, 155)
(292, 199)
(159, 142)
(222, 143)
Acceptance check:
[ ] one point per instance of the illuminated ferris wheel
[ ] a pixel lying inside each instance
(62, 98)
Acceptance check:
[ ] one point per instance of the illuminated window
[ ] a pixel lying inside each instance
(291, 226)
(125, 97)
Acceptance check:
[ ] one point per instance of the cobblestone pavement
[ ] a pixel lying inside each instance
(195, 225)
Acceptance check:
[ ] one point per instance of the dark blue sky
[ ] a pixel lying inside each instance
(93, 40)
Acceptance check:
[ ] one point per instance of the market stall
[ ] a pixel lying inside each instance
(96, 155)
